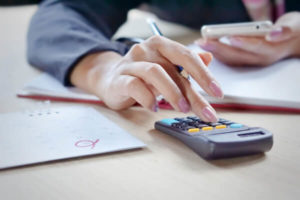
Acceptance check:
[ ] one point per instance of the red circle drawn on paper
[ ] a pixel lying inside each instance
(86, 143)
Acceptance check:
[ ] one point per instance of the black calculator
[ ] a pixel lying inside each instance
(217, 140)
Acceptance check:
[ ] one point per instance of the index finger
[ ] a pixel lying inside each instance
(180, 55)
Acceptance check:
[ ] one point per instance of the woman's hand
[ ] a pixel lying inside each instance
(146, 70)
(282, 42)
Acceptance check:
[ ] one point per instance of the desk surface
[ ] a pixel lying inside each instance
(166, 169)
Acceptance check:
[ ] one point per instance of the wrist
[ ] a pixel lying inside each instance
(90, 72)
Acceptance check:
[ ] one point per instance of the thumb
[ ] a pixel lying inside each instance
(279, 33)
(285, 27)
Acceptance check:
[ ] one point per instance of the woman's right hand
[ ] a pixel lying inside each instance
(147, 70)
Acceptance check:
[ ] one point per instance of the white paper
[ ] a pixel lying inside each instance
(46, 85)
(53, 134)
(274, 85)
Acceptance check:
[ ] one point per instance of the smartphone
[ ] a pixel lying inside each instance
(259, 28)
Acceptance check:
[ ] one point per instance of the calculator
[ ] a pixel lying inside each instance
(223, 139)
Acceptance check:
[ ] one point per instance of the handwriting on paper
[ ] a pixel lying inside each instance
(86, 143)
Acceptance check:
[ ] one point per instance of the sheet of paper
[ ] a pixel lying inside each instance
(275, 85)
(54, 134)
(46, 85)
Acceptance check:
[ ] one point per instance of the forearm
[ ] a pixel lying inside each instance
(89, 73)
(61, 33)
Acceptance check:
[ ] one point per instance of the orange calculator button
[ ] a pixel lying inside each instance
(207, 128)
(193, 130)
(221, 126)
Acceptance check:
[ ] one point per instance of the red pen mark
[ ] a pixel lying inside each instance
(86, 143)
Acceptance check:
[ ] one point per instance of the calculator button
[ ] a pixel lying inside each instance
(215, 124)
(208, 128)
(200, 121)
(220, 126)
(236, 125)
(182, 123)
(228, 122)
(191, 123)
(188, 121)
(186, 128)
(201, 125)
(169, 121)
(222, 120)
(193, 130)
(194, 118)
(179, 119)
(176, 125)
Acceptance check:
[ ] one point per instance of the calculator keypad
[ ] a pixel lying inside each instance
(193, 124)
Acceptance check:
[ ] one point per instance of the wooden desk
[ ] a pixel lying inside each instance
(166, 169)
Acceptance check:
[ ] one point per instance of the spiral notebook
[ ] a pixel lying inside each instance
(58, 133)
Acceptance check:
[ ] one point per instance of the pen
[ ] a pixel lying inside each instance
(156, 31)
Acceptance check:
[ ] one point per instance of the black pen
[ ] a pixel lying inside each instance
(156, 31)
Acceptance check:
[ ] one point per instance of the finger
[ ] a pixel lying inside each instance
(180, 55)
(155, 75)
(279, 34)
(286, 27)
(231, 55)
(258, 46)
(206, 57)
(137, 89)
(153, 90)
(198, 104)
(255, 45)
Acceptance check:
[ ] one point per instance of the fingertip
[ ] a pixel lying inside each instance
(279, 34)
(206, 57)
(275, 34)
(210, 114)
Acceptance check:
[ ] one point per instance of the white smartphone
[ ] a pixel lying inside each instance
(259, 28)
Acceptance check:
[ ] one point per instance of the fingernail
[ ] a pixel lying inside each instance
(235, 41)
(209, 114)
(216, 89)
(275, 33)
(207, 46)
(183, 105)
(155, 107)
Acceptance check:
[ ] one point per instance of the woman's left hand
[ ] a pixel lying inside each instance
(282, 42)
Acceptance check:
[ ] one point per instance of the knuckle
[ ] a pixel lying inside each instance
(153, 69)
(189, 54)
(132, 84)
(137, 50)
(156, 39)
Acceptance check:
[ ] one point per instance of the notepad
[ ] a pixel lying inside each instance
(59, 133)
(46, 87)
(275, 87)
